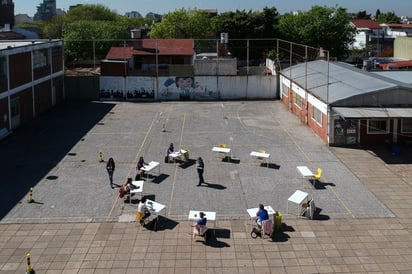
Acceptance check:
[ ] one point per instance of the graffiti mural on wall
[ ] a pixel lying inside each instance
(170, 88)
(186, 88)
(140, 88)
(113, 88)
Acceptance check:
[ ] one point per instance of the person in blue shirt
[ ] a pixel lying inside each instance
(262, 215)
(200, 223)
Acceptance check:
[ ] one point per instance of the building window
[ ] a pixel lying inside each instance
(298, 100)
(378, 126)
(3, 69)
(285, 89)
(406, 125)
(40, 58)
(317, 115)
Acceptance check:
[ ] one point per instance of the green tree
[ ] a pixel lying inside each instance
(362, 15)
(260, 28)
(86, 40)
(181, 24)
(388, 18)
(324, 27)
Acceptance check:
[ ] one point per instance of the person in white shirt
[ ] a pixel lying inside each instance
(143, 209)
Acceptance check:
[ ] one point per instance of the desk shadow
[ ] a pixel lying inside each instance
(270, 165)
(187, 164)
(215, 186)
(280, 235)
(321, 185)
(229, 159)
(320, 217)
(213, 235)
(160, 178)
(161, 223)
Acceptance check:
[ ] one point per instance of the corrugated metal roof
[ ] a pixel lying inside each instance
(345, 81)
(403, 76)
(373, 113)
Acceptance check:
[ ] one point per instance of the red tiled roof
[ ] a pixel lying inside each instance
(11, 35)
(164, 46)
(366, 23)
(400, 26)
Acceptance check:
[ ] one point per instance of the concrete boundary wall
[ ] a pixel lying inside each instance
(188, 88)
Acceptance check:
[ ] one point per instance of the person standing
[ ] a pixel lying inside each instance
(200, 165)
(110, 166)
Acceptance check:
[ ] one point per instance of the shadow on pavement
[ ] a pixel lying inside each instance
(37, 147)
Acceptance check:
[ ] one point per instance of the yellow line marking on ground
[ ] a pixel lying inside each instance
(174, 177)
(135, 160)
(310, 161)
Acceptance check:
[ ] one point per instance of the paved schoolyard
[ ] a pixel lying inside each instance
(59, 158)
(77, 224)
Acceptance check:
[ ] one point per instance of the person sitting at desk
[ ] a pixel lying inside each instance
(140, 165)
(170, 150)
(142, 208)
(200, 225)
(262, 215)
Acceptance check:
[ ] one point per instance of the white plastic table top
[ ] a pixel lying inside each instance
(298, 197)
(194, 215)
(150, 166)
(304, 171)
(252, 211)
(177, 154)
(221, 149)
(138, 185)
(154, 206)
(260, 154)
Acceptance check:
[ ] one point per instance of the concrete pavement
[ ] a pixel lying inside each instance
(78, 225)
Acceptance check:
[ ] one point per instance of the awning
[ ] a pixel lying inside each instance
(373, 113)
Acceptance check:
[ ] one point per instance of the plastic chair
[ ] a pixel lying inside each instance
(139, 217)
(267, 228)
(318, 174)
(316, 177)
(261, 151)
(202, 232)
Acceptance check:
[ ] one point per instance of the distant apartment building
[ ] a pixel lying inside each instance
(6, 13)
(31, 80)
(45, 11)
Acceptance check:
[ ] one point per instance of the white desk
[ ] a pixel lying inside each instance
(178, 155)
(305, 172)
(150, 167)
(265, 156)
(297, 198)
(222, 150)
(194, 215)
(155, 208)
(252, 211)
(138, 189)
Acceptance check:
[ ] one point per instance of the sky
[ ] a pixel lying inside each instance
(400, 7)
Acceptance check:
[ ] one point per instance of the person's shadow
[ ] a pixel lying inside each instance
(215, 186)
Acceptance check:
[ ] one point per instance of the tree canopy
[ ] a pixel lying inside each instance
(321, 27)
(388, 18)
(182, 23)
